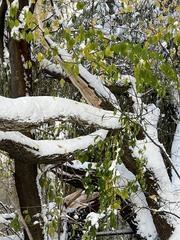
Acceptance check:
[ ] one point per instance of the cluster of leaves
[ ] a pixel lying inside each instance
(103, 159)
(154, 59)
(22, 23)
(101, 51)
(151, 69)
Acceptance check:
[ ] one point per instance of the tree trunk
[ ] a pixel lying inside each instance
(26, 186)
(25, 174)
(3, 9)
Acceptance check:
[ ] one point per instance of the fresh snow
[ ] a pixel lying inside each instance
(76, 164)
(52, 67)
(3, 220)
(155, 162)
(175, 155)
(176, 233)
(93, 80)
(11, 237)
(145, 224)
(143, 216)
(94, 218)
(43, 148)
(36, 110)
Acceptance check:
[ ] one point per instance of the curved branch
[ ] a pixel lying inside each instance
(28, 112)
(46, 151)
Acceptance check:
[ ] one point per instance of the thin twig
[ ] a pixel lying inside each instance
(113, 233)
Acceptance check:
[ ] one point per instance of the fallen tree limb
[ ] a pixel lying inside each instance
(90, 86)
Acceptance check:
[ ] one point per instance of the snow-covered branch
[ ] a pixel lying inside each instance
(90, 86)
(46, 151)
(28, 112)
(53, 69)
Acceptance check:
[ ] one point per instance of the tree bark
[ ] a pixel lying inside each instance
(26, 186)
(25, 174)
(3, 9)
(163, 227)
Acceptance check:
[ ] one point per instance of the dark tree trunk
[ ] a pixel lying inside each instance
(26, 186)
(21, 79)
(25, 174)
(3, 9)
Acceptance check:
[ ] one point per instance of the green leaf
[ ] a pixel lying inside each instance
(16, 23)
(70, 43)
(108, 52)
(51, 194)
(29, 36)
(177, 39)
(168, 71)
(40, 57)
(15, 224)
(13, 11)
(27, 219)
(62, 82)
(80, 5)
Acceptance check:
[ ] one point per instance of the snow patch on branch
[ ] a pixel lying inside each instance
(140, 206)
(42, 148)
(93, 80)
(175, 153)
(175, 149)
(52, 67)
(155, 163)
(11, 237)
(36, 110)
(176, 234)
(6, 218)
(143, 216)
(94, 218)
(152, 152)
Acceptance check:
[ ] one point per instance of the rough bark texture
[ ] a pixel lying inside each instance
(17, 150)
(3, 9)
(164, 229)
(25, 174)
(26, 186)
(167, 127)
(21, 78)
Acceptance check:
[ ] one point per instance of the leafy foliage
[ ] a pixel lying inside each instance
(109, 39)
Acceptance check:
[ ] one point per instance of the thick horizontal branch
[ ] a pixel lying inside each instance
(25, 149)
(29, 112)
